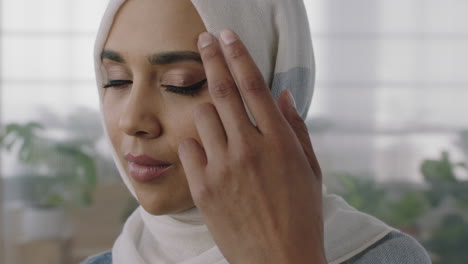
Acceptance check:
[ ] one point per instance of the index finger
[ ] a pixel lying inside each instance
(223, 90)
(251, 83)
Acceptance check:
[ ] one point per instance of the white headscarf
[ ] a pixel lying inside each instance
(276, 32)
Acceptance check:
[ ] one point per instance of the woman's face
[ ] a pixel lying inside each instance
(152, 44)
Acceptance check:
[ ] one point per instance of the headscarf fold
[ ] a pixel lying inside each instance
(277, 34)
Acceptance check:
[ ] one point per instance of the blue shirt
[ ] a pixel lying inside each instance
(395, 248)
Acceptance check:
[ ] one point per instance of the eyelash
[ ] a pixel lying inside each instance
(117, 83)
(191, 90)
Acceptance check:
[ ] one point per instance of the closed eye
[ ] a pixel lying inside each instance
(116, 83)
(186, 90)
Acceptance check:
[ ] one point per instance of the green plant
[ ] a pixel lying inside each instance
(405, 212)
(59, 172)
(30, 144)
(449, 240)
(443, 182)
(410, 203)
(362, 193)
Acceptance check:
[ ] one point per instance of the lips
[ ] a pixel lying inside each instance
(144, 168)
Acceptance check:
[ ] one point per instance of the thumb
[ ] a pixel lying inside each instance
(288, 109)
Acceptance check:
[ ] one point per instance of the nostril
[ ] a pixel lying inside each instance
(140, 121)
(141, 133)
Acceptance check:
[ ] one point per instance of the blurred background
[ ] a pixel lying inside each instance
(386, 122)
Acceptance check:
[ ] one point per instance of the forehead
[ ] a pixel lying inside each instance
(143, 26)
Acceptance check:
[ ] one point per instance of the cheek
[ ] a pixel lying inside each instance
(183, 124)
(111, 120)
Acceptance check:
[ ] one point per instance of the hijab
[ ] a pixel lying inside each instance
(277, 34)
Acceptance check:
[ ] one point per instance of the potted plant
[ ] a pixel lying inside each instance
(56, 175)
(441, 176)
(366, 195)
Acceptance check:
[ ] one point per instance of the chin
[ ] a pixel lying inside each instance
(162, 202)
(157, 209)
(168, 195)
(161, 208)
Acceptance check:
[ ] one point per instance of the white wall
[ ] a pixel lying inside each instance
(391, 80)
(391, 75)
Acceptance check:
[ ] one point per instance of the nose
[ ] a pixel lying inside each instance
(140, 116)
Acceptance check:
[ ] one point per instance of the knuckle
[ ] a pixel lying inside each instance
(203, 109)
(222, 88)
(299, 125)
(235, 52)
(242, 132)
(246, 155)
(210, 53)
(244, 147)
(250, 160)
(277, 142)
(223, 176)
(254, 84)
(281, 148)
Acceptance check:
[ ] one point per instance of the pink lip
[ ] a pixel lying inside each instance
(144, 168)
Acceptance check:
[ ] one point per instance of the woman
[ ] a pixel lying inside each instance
(223, 173)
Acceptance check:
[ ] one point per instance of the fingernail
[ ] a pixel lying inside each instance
(205, 39)
(228, 37)
(291, 100)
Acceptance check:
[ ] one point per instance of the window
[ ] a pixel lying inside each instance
(387, 119)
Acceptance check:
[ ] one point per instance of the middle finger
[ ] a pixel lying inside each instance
(222, 88)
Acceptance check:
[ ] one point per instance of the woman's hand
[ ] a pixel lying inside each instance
(258, 188)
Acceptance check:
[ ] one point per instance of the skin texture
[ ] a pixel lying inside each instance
(145, 118)
(258, 187)
(266, 175)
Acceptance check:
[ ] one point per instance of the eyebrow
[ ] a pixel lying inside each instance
(112, 55)
(162, 58)
(173, 57)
